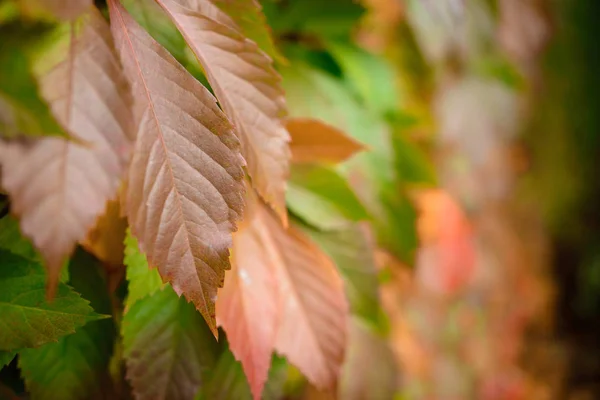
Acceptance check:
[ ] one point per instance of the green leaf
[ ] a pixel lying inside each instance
(371, 77)
(12, 240)
(153, 19)
(370, 369)
(168, 347)
(22, 110)
(6, 357)
(28, 319)
(329, 19)
(143, 281)
(321, 197)
(227, 380)
(76, 367)
(352, 253)
(375, 180)
(247, 14)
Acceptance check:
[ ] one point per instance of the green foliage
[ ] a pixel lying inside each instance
(168, 347)
(227, 381)
(143, 281)
(28, 318)
(22, 111)
(321, 197)
(6, 357)
(76, 366)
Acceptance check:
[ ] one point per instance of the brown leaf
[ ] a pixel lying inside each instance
(314, 141)
(184, 189)
(247, 304)
(248, 89)
(59, 187)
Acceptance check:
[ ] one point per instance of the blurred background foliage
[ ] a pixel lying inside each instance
(478, 275)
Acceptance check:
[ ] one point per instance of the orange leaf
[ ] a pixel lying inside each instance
(314, 141)
(314, 310)
(184, 189)
(248, 89)
(283, 294)
(59, 187)
(247, 304)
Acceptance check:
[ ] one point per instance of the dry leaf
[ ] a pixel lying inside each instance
(247, 304)
(248, 89)
(58, 187)
(314, 141)
(184, 190)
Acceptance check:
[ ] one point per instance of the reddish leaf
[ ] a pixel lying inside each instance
(60, 187)
(314, 141)
(446, 258)
(248, 89)
(184, 191)
(247, 304)
(285, 294)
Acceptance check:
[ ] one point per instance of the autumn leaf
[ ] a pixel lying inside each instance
(313, 307)
(168, 347)
(248, 89)
(58, 188)
(184, 192)
(247, 304)
(447, 256)
(283, 293)
(314, 141)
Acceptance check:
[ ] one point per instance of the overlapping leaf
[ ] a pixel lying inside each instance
(315, 141)
(168, 347)
(313, 313)
(308, 308)
(248, 89)
(247, 304)
(352, 252)
(185, 181)
(28, 319)
(76, 367)
(59, 187)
